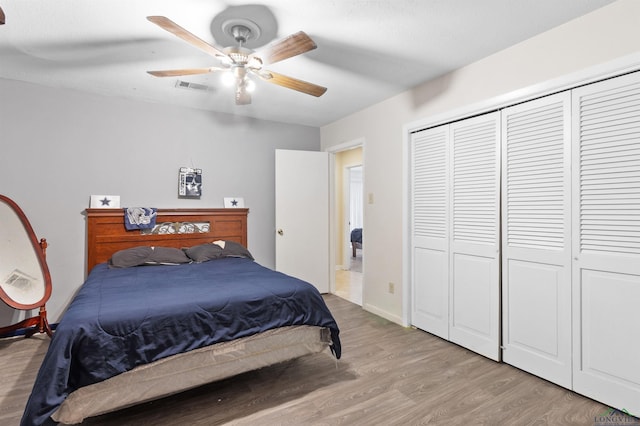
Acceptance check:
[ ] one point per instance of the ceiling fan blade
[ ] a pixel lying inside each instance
(292, 83)
(167, 24)
(1, 16)
(187, 71)
(288, 47)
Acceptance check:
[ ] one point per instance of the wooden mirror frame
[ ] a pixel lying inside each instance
(37, 323)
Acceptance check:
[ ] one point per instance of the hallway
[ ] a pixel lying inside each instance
(349, 282)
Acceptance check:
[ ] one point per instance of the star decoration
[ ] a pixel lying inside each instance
(234, 202)
(105, 201)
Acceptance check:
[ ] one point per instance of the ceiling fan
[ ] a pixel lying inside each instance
(241, 62)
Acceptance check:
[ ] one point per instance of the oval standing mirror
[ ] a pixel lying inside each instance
(25, 282)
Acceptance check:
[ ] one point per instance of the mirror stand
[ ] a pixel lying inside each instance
(39, 323)
(25, 281)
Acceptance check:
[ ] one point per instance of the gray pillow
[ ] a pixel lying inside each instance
(211, 251)
(146, 255)
(130, 257)
(204, 252)
(167, 256)
(233, 249)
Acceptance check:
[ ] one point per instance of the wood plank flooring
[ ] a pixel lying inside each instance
(388, 375)
(349, 281)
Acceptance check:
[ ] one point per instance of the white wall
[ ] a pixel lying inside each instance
(58, 147)
(600, 37)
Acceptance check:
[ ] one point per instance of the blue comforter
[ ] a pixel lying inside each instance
(123, 318)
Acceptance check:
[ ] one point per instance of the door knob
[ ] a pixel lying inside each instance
(280, 232)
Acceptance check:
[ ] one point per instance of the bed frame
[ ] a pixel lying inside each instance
(106, 234)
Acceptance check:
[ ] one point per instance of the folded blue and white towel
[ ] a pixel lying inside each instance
(140, 217)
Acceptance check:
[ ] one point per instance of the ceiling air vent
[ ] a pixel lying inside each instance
(180, 84)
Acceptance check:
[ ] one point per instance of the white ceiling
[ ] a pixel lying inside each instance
(368, 50)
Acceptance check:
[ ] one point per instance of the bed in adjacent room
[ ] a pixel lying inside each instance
(163, 311)
(356, 240)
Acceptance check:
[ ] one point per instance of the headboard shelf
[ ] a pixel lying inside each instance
(106, 233)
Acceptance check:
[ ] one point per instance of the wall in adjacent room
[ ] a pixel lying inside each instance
(59, 146)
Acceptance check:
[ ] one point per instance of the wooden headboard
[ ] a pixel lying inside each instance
(106, 233)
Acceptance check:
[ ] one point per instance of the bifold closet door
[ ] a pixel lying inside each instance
(474, 234)
(536, 237)
(606, 241)
(429, 231)
(455, 232)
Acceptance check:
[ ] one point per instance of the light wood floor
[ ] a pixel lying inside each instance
(349, 286)
(388, 375)
(349, 281)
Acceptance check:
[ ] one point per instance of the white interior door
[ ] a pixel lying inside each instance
(429, 231)
(302, 216)
(474, 234)
(606, 241)
(536, 237)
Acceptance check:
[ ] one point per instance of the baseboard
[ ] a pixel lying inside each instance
(381, 313)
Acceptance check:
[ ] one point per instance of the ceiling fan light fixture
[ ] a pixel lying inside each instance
(250, 85)
(227, 79)
(242, 96)
(226, 60)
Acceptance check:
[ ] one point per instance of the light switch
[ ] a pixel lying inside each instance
(371, 198)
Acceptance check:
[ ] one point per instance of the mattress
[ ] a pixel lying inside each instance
(192, 369)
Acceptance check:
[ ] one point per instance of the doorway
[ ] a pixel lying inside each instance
(348, 192)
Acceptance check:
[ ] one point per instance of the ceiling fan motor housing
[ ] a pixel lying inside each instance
(241, 29)
(239, 55)
(241, 33)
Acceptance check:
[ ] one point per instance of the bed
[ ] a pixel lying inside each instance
(155, 324)
(356, 240)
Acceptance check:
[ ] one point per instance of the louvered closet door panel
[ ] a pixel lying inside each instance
(474, 269)
(429, 199)
(536, 237)
(606, 241)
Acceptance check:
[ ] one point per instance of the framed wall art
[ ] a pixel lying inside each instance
(189, 182)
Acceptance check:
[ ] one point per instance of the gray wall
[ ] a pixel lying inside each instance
(59, 146)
